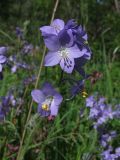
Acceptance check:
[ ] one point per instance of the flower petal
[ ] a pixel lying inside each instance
(66, 37)
(38, 96)
(57, 98)
(54, 109)
(47, 30)
(14, 68)
(70, 24)
(48, 89)
(85, 37)
(52, 42)
(58, 24)
(2, 59)
(52, 59)
(0, 68)
(3, 50)
(87, 55)
(67, 64)
(75, 52)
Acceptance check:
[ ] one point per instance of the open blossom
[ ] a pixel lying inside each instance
(48, 100)
(63, 56)
(64, 45)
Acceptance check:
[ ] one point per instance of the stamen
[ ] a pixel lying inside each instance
(84, 94)
(45, 107)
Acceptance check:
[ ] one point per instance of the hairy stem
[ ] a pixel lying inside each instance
(20, 156)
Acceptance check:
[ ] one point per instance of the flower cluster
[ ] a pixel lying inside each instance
(109, 153)
(100, 111)
(67, 45)
(6, 103)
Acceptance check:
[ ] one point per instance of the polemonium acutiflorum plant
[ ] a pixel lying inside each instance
(45, 111)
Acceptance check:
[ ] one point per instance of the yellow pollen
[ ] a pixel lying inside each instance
(84, 94)
(45, 107)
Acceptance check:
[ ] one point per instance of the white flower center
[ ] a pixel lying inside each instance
(63, 52)
(46, 104)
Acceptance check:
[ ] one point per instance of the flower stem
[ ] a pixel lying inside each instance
(20, 156)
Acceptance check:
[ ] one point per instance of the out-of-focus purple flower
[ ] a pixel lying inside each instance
(14, 68)
(106, 155)
(19, 32)
(90, 101)
(117, 151)
(29, 80)
(107, 138)
(27, 49)
(48, 100)
(3, 50)
(110, 154)
(2, 61)
(6, 103)
(116, 111)
(3, 58)
(100, 112)
(17, 65)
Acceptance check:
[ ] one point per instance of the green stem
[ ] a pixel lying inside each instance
(20, 156)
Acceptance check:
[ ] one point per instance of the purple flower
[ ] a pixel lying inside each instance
(64, 56)
(56, 26)
(100, 112)
(29, 80)
(14, 68)
(106, 155)
(27, 49)
(48, 100)
(19, 32)
(6, 103)
(90, 101)
(17, 65)
(3, 50)
(2, 60)
(107, 138)
(63, 49)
